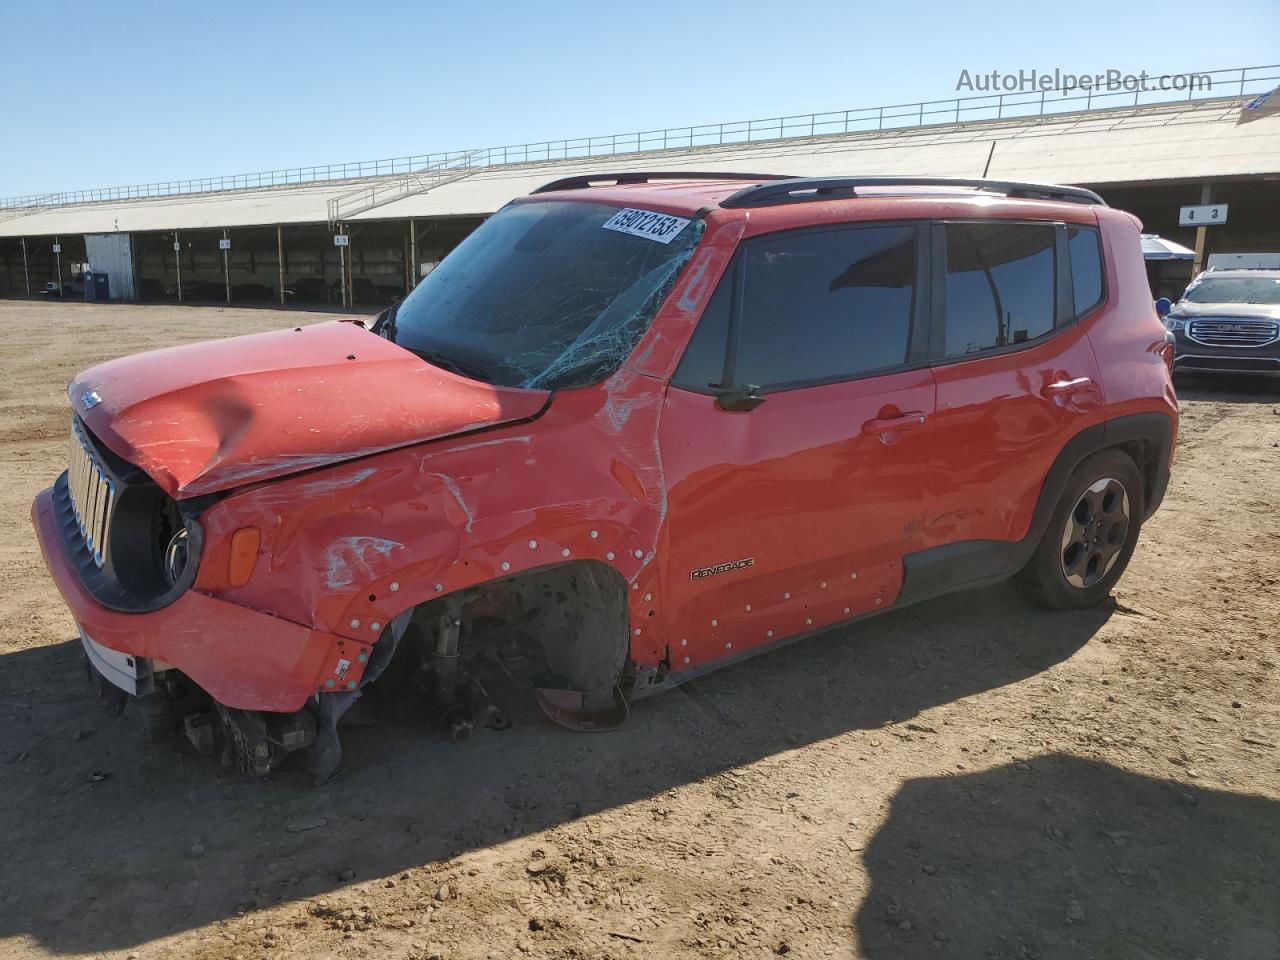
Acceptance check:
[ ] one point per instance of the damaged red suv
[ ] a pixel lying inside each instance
(634, 428)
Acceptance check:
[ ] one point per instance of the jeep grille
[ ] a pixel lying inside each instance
(1232, 332)
(93, 496)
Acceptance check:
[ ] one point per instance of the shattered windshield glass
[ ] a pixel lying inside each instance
(545, 295)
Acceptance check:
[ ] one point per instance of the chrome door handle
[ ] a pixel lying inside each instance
(874, 428)
(1063, 387)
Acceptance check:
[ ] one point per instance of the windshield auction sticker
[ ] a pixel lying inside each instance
(646, 223)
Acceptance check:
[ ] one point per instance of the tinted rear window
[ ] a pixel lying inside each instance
(1000, 285)
(1086, 268)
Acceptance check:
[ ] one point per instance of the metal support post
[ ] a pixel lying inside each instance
(226, 264)
(342, 265)
(413, 256)
(280, 259)
(1202, 232)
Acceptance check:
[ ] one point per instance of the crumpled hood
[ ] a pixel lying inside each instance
(217, 415)
(1250, 311)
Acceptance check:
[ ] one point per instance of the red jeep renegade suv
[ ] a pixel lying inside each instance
(634, 428)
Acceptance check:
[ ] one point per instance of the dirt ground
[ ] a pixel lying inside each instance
(972, 778)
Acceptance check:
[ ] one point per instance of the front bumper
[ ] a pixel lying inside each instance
(1190, 356)
(241, 657)
(133, 675)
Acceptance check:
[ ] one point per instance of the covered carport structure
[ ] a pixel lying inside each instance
(362, 242)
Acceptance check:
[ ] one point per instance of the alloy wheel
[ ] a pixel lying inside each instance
(1095, 532)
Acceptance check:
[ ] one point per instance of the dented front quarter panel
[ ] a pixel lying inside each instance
(348, 548)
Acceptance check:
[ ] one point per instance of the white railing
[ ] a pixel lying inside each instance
(420, 181)
(1236, 81)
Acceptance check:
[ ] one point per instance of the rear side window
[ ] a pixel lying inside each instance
(826, 305)
(1000, 285)
(1086, 268)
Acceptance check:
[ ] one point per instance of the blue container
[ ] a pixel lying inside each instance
(97, 287)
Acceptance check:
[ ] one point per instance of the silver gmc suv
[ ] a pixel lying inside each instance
(1228, 321)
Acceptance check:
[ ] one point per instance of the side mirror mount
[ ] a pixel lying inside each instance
(1163, 306)
(741, 399)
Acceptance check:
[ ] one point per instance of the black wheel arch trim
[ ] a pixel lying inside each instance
(976, 563)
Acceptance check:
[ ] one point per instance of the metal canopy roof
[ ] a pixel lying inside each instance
(1192, 141)
(1155, 247)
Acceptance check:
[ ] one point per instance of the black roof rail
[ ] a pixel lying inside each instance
(840, 188)
(648, 176)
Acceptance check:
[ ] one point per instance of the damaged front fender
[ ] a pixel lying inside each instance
(350, 548)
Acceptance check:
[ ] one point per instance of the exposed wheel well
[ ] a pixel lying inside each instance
(567, 626)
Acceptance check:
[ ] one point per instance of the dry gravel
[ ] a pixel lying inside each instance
(972, 778)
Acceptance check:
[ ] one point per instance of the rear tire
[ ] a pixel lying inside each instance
(1090, 536)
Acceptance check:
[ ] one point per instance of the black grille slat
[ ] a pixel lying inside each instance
(1233, 332)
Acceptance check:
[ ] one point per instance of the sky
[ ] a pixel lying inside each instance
(107, 94)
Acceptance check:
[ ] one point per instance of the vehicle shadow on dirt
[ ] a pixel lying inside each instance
(112, 842)
(1063, 857)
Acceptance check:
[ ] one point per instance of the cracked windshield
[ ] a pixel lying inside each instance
(545, 295)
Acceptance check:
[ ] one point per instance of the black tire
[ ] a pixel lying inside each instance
(1090, 536)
